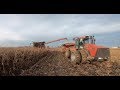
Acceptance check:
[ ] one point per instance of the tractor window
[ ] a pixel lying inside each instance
(86, 41)
(89, 40)
(92, 40)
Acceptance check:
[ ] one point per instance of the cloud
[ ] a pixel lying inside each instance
(46, 27)
(9, 35)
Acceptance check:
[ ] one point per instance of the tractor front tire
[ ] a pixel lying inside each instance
(68, 53)
(76, 57)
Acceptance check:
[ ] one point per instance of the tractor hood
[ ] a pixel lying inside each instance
(97, 50)
(95, 46)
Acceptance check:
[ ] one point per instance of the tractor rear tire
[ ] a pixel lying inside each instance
(68, 53)
(76, 57)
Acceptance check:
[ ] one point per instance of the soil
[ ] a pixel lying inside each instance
(52, 62)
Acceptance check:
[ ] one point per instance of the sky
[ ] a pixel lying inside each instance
(22, 29)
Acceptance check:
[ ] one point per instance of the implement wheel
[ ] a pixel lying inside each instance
(76, 57)
(68, 53)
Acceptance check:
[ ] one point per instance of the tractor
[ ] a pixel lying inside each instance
(84, 49)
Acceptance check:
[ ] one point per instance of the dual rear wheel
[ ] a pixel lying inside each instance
(81, 56)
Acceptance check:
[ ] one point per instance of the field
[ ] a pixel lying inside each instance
(28, 61)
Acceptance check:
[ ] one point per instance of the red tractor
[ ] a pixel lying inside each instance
(85, 49)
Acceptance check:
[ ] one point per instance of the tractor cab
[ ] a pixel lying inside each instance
(80, 42)
(88, 39)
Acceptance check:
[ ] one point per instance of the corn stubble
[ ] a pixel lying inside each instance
(14, 60)
(30, 61)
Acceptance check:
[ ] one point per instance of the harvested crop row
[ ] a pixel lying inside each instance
(14, 60)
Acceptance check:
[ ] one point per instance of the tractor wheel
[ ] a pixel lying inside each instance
(76, 57)
(68, 53)
(84, 55)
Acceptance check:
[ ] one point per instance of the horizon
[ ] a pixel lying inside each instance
(21, 29)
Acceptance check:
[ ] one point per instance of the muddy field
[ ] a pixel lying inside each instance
(47, 62)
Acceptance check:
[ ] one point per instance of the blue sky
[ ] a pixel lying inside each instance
(22, 29)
